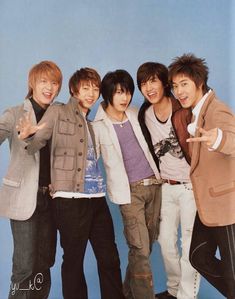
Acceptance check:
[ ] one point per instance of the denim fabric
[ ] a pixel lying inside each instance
(80, 220)
(220, 272)
(34, 252)
(141, 225)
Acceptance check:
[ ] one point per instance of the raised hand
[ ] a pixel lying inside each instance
(209, 137)
(25, 126)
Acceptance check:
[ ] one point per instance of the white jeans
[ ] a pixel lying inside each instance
(178, 208)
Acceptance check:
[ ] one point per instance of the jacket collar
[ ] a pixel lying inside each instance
(73, 102)
(29, 108)
(200, 123)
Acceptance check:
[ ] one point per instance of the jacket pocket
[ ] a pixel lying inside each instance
(66, 127)
(222, 189)
(64, 158)
(131, 232)
(10, 183)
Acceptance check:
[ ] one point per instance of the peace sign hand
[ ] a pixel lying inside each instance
(209, 137)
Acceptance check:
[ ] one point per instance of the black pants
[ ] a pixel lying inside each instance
(80, 220)
(205, 241)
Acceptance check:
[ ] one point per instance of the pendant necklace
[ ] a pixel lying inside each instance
(120, 122)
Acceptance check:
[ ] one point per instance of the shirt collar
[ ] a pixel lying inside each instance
(196, 110)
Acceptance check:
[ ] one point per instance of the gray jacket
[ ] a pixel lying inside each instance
(18, 192)
(67, 129)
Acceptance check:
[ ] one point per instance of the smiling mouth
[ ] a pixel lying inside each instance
(47, 95)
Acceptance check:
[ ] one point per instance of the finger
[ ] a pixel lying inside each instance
(197, 139)
(41, 126)
(203, 131)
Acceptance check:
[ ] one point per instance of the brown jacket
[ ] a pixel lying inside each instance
(67, 129)
(213, 172)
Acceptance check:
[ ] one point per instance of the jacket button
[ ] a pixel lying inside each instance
(77, 112)
(79, 169)
(81, 140)
(65, 153)
(80, 125)
(80, 154)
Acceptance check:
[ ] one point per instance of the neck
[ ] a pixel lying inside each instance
(163, 109)
(116, 115)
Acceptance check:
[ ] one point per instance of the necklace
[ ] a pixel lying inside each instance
(120, 121)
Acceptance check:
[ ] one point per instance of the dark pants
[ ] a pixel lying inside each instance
(80, 220)
(34, 252)
(205, 241)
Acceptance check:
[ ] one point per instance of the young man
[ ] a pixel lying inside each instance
(133, 179)
(80, 209)
(212, 172)
(24, 194)
(164, 124)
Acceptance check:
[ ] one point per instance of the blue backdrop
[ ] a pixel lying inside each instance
(107, 35)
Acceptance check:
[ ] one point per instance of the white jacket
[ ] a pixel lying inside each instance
(107, 145)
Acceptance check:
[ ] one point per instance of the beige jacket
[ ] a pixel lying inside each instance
(107, 145)
(213, 172)
(18, 192)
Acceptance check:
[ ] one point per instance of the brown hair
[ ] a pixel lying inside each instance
(149, 70)
(191, 66)
(47, 68)
(84, 74)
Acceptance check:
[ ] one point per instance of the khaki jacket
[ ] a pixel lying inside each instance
(213, 172)
(18, 192)
(67, 129)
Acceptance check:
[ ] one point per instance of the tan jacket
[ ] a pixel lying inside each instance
(67, 129)
(18, 192)
(213, 172)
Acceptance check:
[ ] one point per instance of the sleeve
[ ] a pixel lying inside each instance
(7, 124)
(224, 119)
(41, 137)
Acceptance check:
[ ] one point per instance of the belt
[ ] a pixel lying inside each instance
(147, 182)
(172, 182)
(43, 189)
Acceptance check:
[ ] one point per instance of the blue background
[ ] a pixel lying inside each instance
(107, 35)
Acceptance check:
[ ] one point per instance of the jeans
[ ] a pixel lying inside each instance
(79, 220)
(141, 224)
(34, 252)
(178, 209)
(205, 241)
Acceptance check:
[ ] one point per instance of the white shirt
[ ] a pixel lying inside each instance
(193, 126)
(173, 165)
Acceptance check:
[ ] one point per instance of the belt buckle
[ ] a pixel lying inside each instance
(146, 182)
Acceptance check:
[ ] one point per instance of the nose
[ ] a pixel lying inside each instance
(148, 86)
(49, 85)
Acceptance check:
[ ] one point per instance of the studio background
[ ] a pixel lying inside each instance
(108, 35)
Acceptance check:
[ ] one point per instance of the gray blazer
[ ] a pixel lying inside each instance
(18, 191)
